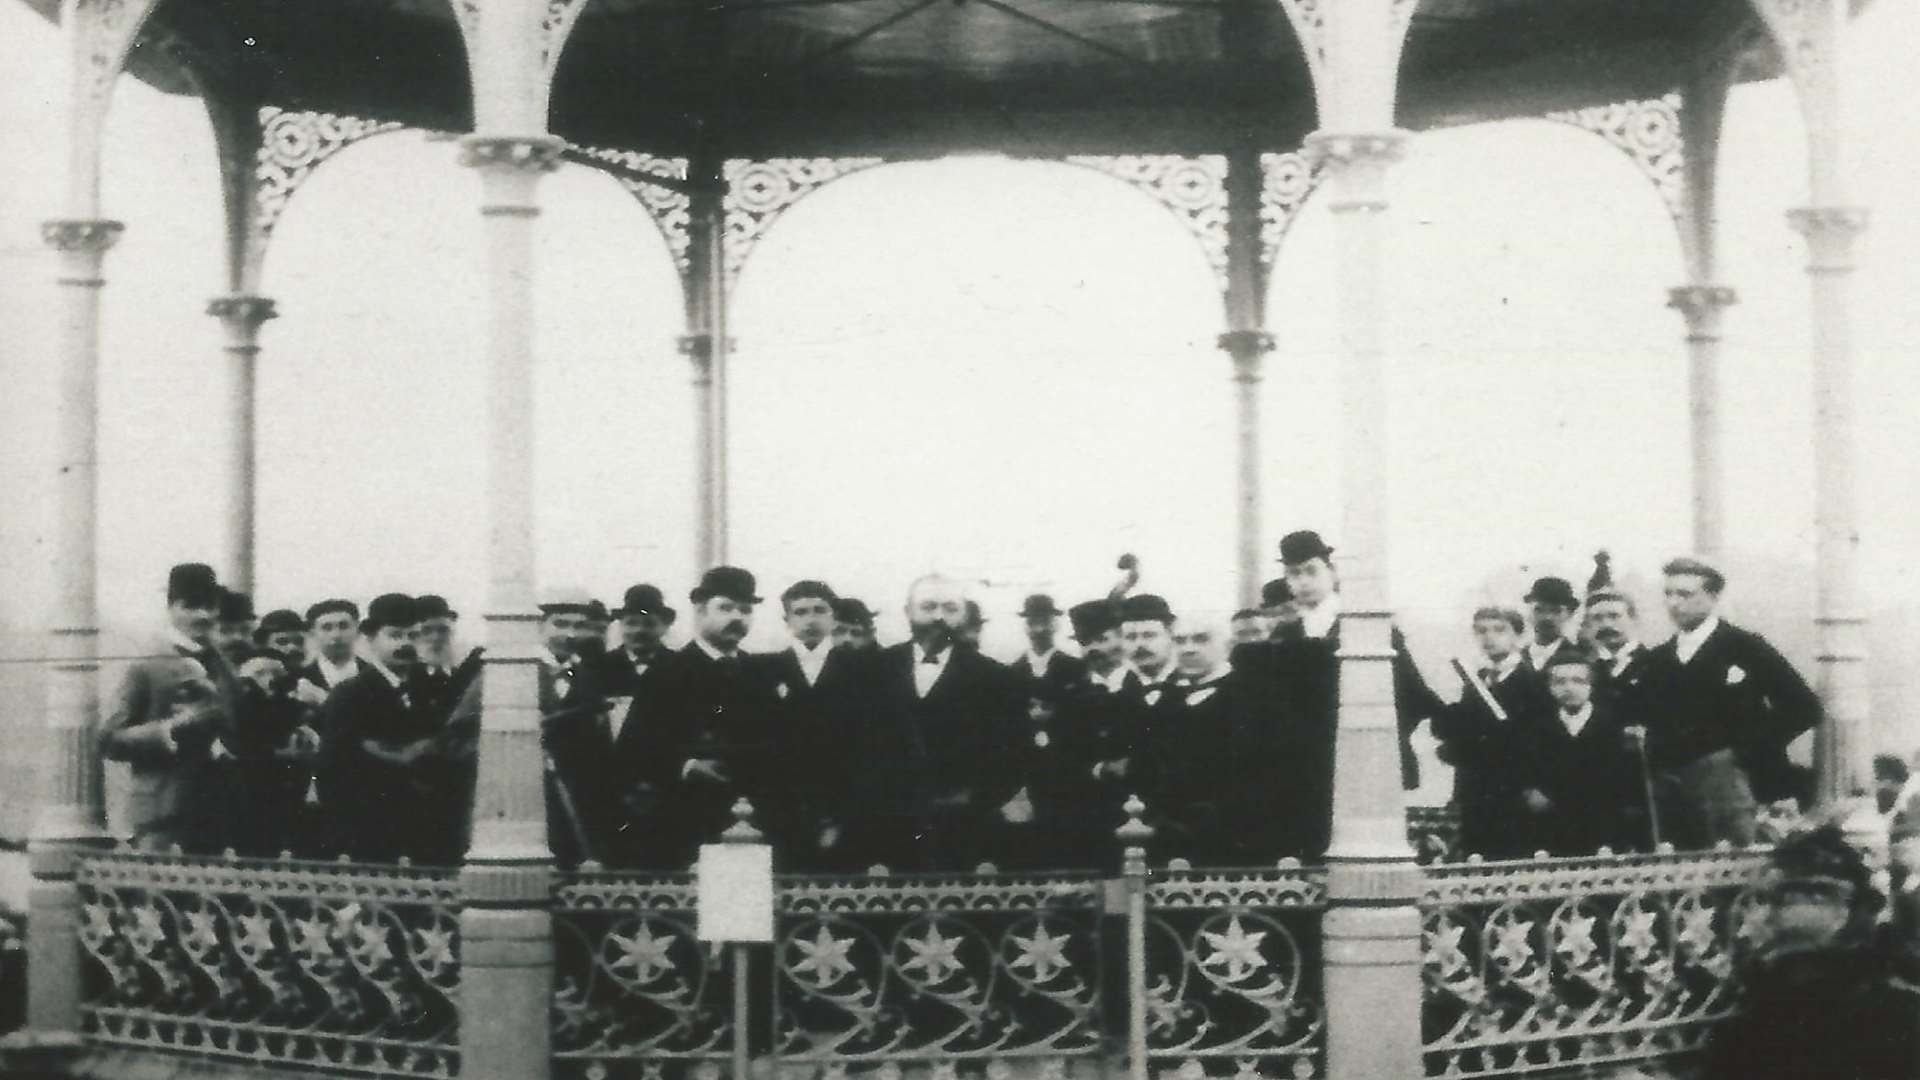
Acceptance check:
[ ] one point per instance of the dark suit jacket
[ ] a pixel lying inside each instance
(1626, 689)
(1592, 780)
(313, 674)
(816, 784)
(381, 809)
(1062, 670)
(1194, 776)
(1493, 763)
(939, 765)
(1736, 693)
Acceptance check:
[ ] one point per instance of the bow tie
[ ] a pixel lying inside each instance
(931, 658)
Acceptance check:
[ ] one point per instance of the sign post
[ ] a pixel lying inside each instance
(734, 884)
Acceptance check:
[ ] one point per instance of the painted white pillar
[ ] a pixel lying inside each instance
(706, 347)
(1372, 957)
(1703, 306)
(241, 316)
(1246, 342)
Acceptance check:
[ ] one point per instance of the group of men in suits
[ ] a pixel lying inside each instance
(1567, 746)
(330, 732)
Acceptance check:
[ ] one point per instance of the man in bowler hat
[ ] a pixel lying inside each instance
(1043, 660)
(1553, 605)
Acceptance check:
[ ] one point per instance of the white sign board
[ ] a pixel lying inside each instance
(735, 885)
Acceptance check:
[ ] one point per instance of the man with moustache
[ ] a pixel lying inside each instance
(284, 632)
(166, 716)
(1485, 747)
(944, 723)
(1096, 628)
(1194, 777)
(1146, 634)
(706, 739)
(383, 777)
(853, 626)
(233, 630)
(1621, 660)
(1043, 660)
(563, 621)
(1720, 706)
(609, 706)
(1554, 606)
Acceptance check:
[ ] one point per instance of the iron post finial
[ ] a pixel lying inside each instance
(742, 831)
(1136, 830)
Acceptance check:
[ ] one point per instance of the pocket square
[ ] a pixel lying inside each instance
(1736, 675)
(1201, 695)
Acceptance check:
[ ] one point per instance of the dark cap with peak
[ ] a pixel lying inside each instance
(1092, 619)
(1552, 590)
(1145, 607)
(434, 607)
(235, 606)
(645, 600)
(193, 585)
(1299, 547)
(852, 610)
(391, 609)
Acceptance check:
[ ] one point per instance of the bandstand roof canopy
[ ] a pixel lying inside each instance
(909, 78)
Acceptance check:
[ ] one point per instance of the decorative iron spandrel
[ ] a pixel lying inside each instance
(324, 966)
(1565, 962)
(632, 983)
(1233, 973)
(1433, 832)
(940, 971)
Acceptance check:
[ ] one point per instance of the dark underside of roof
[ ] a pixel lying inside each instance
(906, 78)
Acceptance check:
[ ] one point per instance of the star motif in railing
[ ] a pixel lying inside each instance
(370, 941)
(1696, 929)
(1163, 1008)
(1753, 924)
(1236, 950)
(146, 931)
(201, 935)
(934, 954)
(436, 947)
(345, 916)
(1513, 945)
(1638, 938)
(826, 958)
(1576, 943)
(647, 954)
(255, 934)
(314, 941)
(1044, 953)
(99, 921)
(1444, 951)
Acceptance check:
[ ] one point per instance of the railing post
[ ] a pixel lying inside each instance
(742, 832)
(1135, 834)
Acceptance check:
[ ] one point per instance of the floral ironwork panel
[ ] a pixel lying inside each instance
(1433, 832)
(1552, 964)
(634, 990)
(891, 971)
(1233, 973)
(321, 965)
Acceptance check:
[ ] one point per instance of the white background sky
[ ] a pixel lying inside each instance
(998, 368)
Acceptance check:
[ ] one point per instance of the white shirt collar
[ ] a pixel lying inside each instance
(1619, 658)
(182, 642)
(1506, 666)
(814, 659)
(335, 674)
(1039, 661)
(385, 671)
(1112, 680)
(704, 646)
(1538, 653)
(1688, 642)
(1318, 622)
(1575, 723)
(1166, 673)
(1213, 675)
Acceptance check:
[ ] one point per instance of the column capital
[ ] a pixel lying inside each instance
(81, 234)
(1699, 300)
(524, 153)
(242, 309)
(1830, 231)
(1246, 342)
(699, 347)
(1378, 148)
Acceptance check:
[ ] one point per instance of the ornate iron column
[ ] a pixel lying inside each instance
(1247, 342)
(1372, 926)
(1809, 36)
(70, 816)
(506, 932)
(706, 345)
(241, 317)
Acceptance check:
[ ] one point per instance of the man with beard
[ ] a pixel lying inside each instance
(432, 680)
(165, 717)
(384, 779)
(1720, 707)
(853, 626)
(1622, 668)
(333, 628)
(944, 722)
(1554, 606)
(1043, 660)
(284, 632)
(233, 631)
(704, 740)
(1481, 738)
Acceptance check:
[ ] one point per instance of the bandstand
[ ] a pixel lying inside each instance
(718, 117)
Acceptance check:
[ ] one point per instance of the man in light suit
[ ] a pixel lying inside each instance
(166, 717)
(1721, 705)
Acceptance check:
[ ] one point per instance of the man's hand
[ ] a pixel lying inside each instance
(1536, 802)
(1635, 737)
(829, 837)
(704, 769)
(1018, 810)
(306, 693)
(1111, 770)
(303, 744)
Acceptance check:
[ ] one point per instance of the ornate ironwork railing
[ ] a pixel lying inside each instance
(1233, 972)
(323, 966)
(1555, 963)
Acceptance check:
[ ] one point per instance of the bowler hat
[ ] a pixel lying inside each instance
(1298, 547)
(1145, 607)
(1552, 590)
(849, 609)
(391, 609)
(1039, 606)
(434, 607)
(645, 600)
(279, 621)
(566, 602)
(597, 611)
(1092, 619)
(235, 606)
(731, 582)
(193, 584)
(1276, 592)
